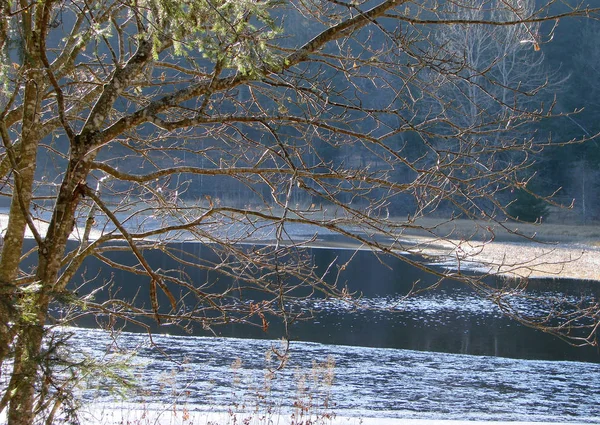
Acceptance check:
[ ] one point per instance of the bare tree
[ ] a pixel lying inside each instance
(499, 84)
(515, 85)
(511, 53)
(129, 126)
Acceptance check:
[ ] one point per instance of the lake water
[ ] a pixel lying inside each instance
(444, 354)
(451, 319)
(211, 374)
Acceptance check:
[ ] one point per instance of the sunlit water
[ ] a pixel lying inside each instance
(230, 373)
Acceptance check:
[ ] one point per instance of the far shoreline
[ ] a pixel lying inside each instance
(522, 250)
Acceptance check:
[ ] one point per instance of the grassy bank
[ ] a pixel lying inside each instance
(481, 230)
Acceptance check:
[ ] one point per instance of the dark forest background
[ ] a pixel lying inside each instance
(566, 67)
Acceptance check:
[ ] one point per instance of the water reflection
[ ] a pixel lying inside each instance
(450, 319)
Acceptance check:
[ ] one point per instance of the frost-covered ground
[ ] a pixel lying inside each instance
(522, 259)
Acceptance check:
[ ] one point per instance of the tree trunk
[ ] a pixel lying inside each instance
(6, 316)
(34, 306)
(27, 360)
(23, 313)
(24, 164)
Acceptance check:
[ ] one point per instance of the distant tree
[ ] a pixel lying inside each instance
(111, 110)
(486, 105)
(511, 55)
(528, 207)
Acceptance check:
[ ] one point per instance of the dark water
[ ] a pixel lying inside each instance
(449, 319)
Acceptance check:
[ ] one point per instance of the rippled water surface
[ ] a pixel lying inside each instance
(218, 373)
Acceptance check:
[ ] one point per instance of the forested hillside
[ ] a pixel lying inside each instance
(556, 67)
(574, 53)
